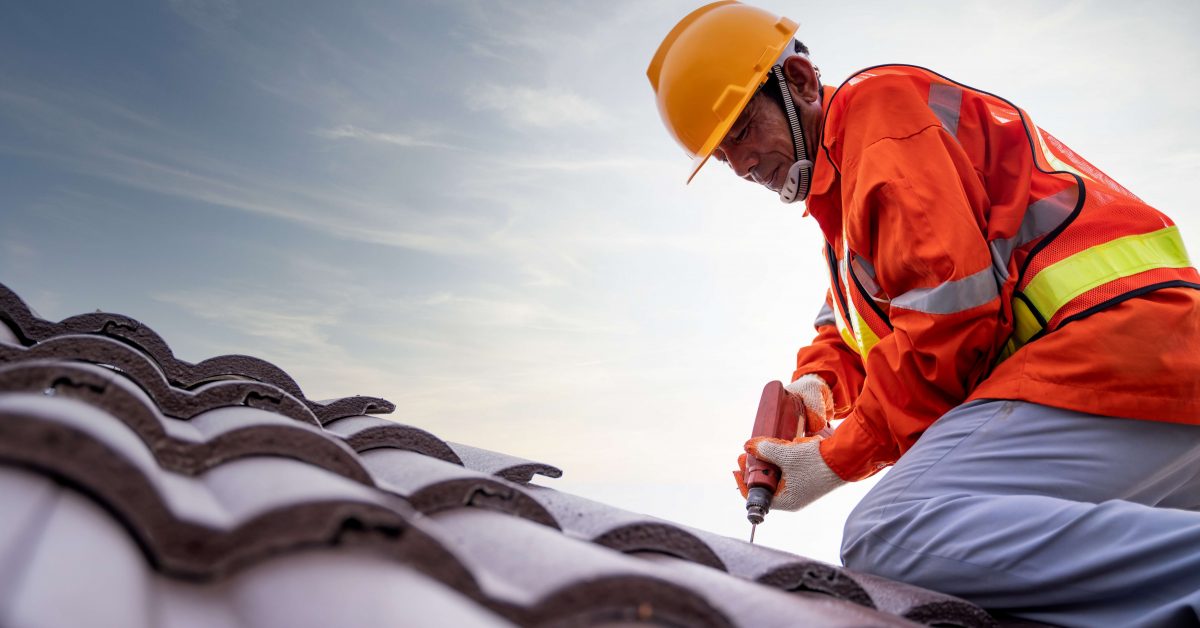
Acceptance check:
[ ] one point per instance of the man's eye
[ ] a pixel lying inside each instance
(744, 132)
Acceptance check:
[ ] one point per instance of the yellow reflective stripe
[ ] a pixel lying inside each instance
(856, 321)
(847, 335)
(1062, 281)
(848, 338)
(1025, 324)
(866, 336)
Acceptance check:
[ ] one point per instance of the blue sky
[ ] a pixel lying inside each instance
(471, 208)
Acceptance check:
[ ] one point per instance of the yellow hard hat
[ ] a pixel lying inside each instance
(708, 68)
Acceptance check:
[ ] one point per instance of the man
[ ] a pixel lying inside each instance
(1006, 324)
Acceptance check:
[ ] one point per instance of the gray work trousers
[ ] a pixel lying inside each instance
(1052, 515)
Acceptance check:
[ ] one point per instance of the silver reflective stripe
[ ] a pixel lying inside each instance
(865, 273)
(946, 101)
(825, 316)
(1041, 217)
(952, 296)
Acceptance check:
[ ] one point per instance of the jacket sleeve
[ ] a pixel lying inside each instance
(915, 207)
(829, 357)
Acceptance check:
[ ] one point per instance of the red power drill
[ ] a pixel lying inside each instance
(778, 417)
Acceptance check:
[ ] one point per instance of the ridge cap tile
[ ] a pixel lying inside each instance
(25, 323)
(364, 432)
(209, 438)
(624, 530)
(431, 485)
(509, 467)
(147, 374)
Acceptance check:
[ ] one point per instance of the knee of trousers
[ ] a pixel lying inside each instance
(876, 539)
(859, 543)
(861, 549)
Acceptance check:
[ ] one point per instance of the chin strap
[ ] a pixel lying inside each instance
(795, 188)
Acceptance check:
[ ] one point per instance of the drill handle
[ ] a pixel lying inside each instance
(778, 417)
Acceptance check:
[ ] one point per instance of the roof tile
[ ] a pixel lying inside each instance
(198, 527)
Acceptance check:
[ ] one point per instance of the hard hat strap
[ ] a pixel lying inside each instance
(795, 188)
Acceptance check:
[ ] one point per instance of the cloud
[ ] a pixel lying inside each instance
(348, 131)
(280, 320)
(536, 107)
(206, 14)
(637, 164)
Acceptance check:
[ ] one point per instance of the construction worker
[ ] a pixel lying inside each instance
(1012, 329)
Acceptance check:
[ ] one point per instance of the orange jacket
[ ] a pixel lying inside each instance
(972, 255)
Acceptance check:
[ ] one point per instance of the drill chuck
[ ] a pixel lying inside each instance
(758, 504)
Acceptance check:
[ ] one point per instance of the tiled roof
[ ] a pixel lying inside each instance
(142, 490)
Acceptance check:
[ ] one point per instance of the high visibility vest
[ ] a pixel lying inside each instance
(1075, 242)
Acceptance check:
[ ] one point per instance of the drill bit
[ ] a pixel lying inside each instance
(753, 528)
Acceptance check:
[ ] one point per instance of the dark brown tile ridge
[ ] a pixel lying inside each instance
(790, 572)
(511, 468)
(364, 432)
(783, 570)
(631, 532)
(31, 329)
(174, 402)
(923, 605)
(622, 530)
(233, 515)
(334, 409)
(536, 576)
(187, 447)
(431, 485)
(756, 605)
(25, 324)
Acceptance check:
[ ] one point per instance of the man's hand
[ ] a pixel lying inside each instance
(816, 402)
(816, 411)
(804, 475)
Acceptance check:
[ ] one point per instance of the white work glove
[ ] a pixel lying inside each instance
(804, 476)
(817, 400)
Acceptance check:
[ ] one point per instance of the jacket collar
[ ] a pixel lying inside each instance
(821, 202)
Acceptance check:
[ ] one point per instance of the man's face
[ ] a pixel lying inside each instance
(759, 145)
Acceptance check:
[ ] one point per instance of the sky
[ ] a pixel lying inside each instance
(471, 208)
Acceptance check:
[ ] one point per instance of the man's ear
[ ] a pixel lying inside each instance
(802, 78)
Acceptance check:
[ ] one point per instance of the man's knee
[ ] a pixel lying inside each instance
(855, 546)
(893, 540)
(862, 549)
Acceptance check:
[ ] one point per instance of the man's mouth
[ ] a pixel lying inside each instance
(769, 182)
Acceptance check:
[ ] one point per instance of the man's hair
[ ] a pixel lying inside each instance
(800, 47)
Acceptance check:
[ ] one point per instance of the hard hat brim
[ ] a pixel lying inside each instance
(751, 88)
